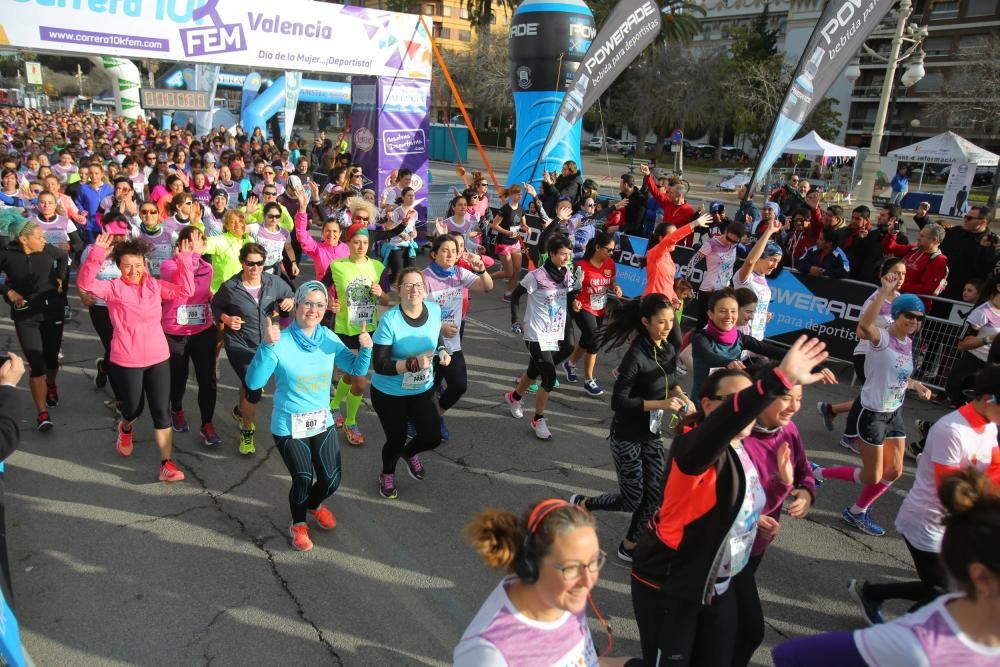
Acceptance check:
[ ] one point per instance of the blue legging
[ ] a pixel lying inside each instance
(307, 459)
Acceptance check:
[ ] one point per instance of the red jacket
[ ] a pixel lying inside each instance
(673, 214)
(926, 272)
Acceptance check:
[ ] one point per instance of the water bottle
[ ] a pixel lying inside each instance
(548, 40)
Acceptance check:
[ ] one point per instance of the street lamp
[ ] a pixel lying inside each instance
(908, 33)
(914, 126)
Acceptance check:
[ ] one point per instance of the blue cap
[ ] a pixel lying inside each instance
(907, 303)
(774, 207)
(716, 207)
(772, 249)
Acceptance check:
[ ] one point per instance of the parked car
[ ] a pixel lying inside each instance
(733, 154)
(614, 146)
(596, 143)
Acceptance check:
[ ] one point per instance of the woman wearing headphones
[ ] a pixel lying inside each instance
(536, 616)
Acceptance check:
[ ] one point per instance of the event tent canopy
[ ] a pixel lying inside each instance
(945, 148)
(813, 145)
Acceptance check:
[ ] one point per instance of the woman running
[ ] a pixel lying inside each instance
(57, 229)
(36, 291)
(244, 304)
(507, 225)
(156, 236)
(537, 614)
(719, 253)
(955, 629)
(226, 249)
(545, 333)
(115, 225)
(275, 240)
(214, 217)
(711, 512)
(191, 338)
(446, 284)
(302, 360)
(357, 295)
(764, 258)
(461, 221)
(878, 428)
(399, 250)
(407, 341)
(644, 392)
(961, 439)
(660, 267)
(775, 448)
(139, 360)
(828, 411)
(595, 278)
(331, 248)
(721, 344)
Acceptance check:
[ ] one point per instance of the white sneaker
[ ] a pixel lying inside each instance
(516, 411)
(541, 429)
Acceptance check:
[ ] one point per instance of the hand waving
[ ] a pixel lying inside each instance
(801, 360)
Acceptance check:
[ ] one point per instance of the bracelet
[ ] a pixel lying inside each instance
(479, 273)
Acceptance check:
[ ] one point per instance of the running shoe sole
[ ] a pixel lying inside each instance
(392, 494)
(44, 426)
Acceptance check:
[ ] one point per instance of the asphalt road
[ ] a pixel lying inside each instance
(111, 567)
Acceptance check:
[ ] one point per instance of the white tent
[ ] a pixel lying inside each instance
(945, 148)
(813, 145)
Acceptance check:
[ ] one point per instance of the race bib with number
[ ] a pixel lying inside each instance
(597, 301)
(191, 314)
(56, 236)
(360, 313)
(308, 424)
(157, 256)
(419, 379)
(548, 345)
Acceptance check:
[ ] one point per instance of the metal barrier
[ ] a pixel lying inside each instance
(935, 348)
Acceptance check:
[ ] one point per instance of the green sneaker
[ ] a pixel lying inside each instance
(534, 387)
(246, 443)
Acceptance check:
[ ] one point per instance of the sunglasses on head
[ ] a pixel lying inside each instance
(919, 317)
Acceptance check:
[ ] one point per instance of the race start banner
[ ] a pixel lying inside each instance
(291, 35)
(840, 32)
(630, 28)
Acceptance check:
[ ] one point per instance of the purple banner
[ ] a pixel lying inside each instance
(389, 131)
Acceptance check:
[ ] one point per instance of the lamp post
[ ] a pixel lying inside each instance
(905, 33)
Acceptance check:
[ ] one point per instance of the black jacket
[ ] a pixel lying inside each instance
(704, 487)
(635, 213)
(967, 259)
(34, 277)
(233, 299)
(642, 376)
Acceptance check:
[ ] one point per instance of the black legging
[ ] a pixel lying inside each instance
(933, 581)
(750, 628)
(394, 412)
(101, 320)
(589, 325)
(308, 459)
(684, 633)
(398, 260)
(138, 385)
(200, 350)
(543, 363)
(640, 483)
(702, 319)
(40, 340)
(455, 378)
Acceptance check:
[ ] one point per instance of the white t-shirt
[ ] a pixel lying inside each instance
(57, 230)
(882, 321)
(720, 259)
(744, 529)
(402, 226)
(888, 366)
(500, 636)
(449, 293)
(952, 441)
(545, 315)
(273, 242)
(929, 637)
(985, 319)
(758, 284)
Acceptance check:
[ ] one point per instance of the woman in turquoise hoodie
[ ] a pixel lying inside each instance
(302, 361)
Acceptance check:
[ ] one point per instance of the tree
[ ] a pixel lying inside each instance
(969, 94)
(481, 13)
(754, 42)
(824, 119)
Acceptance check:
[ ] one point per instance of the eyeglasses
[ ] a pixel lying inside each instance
(588, 205)
(273, 216)
(731, 239)
(607, 248)
(913, 316)
(576, 571)
(319, 305)
(483, 184)
(187, 203)
(250, 264)
(361, 219)
(148, 211)
(411, 287)
(270, 193)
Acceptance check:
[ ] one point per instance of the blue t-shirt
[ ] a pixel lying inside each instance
(302, 379)
(407, 340)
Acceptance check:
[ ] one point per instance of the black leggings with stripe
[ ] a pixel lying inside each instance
(314, 464)
(640, 483)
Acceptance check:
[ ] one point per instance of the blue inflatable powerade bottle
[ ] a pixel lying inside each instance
(548, 39)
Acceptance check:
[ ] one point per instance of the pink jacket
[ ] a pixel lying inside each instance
(135, 310)
(321, 253)
(198, 319)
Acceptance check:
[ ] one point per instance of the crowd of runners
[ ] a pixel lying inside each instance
(314, 285)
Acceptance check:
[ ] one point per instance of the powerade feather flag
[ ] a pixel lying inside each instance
(844, 26)
(630, 28)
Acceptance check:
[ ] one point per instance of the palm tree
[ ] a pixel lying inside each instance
(481, 12)
(680, 22)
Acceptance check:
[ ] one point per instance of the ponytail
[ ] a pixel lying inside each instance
(626, 321)
(972, 525)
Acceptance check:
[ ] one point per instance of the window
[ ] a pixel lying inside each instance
(980, 7)
(945, 9)
(932, 82)
(428, 9)
(446, 11)
(445, 33)
(463, 12)
(938, 46)
(464, 36)
(437, 30)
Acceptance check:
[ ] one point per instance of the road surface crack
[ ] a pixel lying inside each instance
(257, 466)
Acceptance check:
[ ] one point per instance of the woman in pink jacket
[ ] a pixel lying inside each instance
(191, 337)
(322, 253)
(139, 352)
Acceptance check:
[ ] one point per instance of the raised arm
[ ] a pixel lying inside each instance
(866, 325)
(757, 251)
(309, 245)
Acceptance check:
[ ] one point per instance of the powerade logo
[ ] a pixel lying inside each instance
(795, 308)
(581, 35)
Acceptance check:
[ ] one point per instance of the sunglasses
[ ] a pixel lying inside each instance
(272, 216)
(919, 317)
(360, 219)
(270, 193)
(148, 211)
(248, 263)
